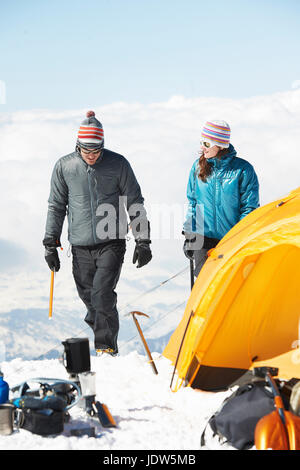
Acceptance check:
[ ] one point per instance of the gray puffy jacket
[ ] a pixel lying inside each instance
(97, 200)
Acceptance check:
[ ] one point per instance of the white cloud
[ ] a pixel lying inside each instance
(161, 140)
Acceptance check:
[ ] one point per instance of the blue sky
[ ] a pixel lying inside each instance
(72, 54)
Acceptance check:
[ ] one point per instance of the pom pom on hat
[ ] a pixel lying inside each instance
(90, 114)
(90, 134)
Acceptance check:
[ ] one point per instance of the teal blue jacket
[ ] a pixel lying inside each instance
(228, 195)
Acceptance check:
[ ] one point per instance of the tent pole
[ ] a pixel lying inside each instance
(180, 347)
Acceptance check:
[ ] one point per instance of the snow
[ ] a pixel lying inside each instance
(149, 415)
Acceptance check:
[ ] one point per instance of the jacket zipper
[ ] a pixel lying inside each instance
(91, 203)
(215, 194)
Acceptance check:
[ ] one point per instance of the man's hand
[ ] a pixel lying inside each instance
(52, 259)
(142, 253)
(51, 255)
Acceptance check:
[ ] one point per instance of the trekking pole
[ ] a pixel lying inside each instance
(192, 273)
(51, 294)
(277, 398)
(265, 427)
(143, 339)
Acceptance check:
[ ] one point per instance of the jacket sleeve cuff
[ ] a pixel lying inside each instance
(52, 242)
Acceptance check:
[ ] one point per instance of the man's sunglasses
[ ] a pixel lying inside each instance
(87, 152)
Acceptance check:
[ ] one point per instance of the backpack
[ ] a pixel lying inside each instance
(235, 421)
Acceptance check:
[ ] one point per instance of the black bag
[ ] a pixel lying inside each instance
(43, 422)
(237, 418)
(43, 411)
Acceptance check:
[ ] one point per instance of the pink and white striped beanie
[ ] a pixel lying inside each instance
(216, 133)
(90, 134)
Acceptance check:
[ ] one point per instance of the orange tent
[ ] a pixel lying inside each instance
(244, 308)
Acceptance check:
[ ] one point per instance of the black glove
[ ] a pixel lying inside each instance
(189, 245)
(187, 250)
(51, 255)
(142, 253)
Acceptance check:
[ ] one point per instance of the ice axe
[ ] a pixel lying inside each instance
(51, 294)
(134, 313)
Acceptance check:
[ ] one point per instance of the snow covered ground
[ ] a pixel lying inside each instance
(148, 414)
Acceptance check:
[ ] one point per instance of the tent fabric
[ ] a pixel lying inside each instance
(245, 304)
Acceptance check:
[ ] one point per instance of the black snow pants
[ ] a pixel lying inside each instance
(96, 271)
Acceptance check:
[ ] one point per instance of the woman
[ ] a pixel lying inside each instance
(222, 189)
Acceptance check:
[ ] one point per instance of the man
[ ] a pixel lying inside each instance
(98, 190)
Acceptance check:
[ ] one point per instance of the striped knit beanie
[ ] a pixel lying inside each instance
(90, 134)
(216, 133)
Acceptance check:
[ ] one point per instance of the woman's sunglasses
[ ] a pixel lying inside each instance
(206, 144)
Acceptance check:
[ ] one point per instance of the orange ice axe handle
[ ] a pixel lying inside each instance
(51, 295)
(143, 339)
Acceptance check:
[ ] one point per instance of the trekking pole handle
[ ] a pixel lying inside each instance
(277, 397)
(51, 294)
